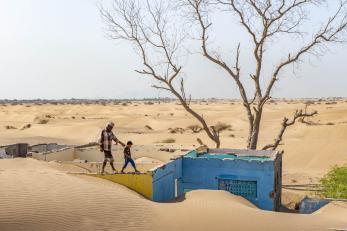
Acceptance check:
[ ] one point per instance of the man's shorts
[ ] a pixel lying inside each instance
(108, 156)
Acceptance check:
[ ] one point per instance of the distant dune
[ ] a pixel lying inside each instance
(38, 195)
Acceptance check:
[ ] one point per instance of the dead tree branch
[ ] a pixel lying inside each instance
(285, 124)
(146, 27)
(264, 20)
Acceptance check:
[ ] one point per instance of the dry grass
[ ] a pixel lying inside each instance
(168, 141)
(220, 126)
(148, 127)
(26, 126)
(195, 128)
(9, 127)
(176, 130)
(39, 120)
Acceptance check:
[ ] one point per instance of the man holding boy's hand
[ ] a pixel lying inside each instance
(106, 139)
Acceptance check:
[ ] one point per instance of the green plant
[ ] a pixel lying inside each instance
(334, 184)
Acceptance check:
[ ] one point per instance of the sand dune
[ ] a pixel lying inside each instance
(35, 196)
(38, 195)
(305, 145)
(218, 210)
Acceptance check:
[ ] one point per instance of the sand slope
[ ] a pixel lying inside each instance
(34, 195)
(219, 210)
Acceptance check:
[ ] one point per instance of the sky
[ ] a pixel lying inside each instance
(54, 49)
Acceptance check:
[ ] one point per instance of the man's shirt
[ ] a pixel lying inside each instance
(106, 140)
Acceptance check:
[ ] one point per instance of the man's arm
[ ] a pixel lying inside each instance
(101, 142)
(118, 141)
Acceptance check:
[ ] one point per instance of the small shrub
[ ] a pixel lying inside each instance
(148, 127)
(8, 127)
(176, 130)
(39, 120)
(195, 128)
(26, 126)
(219, 127)
(330, 124)
(334, 184)
(83, 117)
(168, 141)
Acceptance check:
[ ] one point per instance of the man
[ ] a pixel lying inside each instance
(106, 139)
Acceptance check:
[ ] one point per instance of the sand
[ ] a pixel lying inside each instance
(36, 195)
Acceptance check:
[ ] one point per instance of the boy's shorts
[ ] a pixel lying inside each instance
(108, 157)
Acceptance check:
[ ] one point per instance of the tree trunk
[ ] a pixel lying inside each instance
(255, 130)
(217, 143)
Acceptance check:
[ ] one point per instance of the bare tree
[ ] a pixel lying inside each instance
(263, 21)
(146, 25)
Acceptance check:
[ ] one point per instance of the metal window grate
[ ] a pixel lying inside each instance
(243, 188)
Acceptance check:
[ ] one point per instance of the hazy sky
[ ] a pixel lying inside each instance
(58, 49)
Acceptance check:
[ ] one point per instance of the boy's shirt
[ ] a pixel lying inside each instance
(127, 152)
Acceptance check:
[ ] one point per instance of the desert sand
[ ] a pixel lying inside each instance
(37, 195)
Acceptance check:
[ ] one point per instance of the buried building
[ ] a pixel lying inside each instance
(254, 175)
(14, 150)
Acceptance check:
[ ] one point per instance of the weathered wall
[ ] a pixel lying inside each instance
(165, 177)
(17, 150)
(61, 155)
(203, 173)
(141, 183)
(91, 154)
(46, 147)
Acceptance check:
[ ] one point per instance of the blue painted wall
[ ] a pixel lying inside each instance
(164, 181)
(203, 173)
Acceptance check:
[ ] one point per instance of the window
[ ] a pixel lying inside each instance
(243, 188)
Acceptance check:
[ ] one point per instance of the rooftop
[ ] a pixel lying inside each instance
(235, 154)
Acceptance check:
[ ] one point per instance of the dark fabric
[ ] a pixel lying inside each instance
(127, 161)
(106, 139)
(127, 152)
(108, 154)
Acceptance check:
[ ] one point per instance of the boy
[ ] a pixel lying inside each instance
(127, 157)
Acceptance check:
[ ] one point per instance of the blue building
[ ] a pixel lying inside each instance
(252, 174)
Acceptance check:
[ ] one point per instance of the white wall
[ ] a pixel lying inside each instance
(63, 155)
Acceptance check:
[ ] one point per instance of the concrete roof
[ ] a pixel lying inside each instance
(246, 152)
